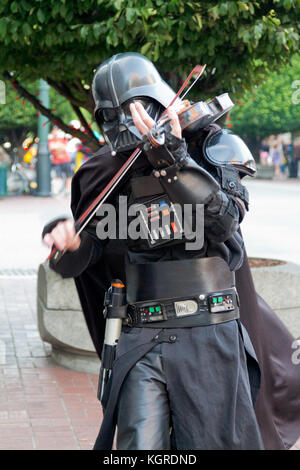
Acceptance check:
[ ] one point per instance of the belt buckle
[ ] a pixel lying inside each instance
(185, 307)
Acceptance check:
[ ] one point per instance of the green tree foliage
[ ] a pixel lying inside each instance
(18, 117)
(272, 108)
(63, 41)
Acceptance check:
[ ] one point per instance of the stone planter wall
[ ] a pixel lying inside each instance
(264, 172)
(61, 322)
(279, 286)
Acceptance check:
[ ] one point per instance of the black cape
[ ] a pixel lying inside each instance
(278, 404)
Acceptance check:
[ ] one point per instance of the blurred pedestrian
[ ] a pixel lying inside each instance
(264, 153)
(73, 142)
(276, 153)
(61, 159)
(297, 153)
(30, 147)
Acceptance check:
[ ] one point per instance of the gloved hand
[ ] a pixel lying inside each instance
(63, 236)
(174, 149)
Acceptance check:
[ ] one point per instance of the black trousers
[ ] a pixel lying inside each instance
(193, 384)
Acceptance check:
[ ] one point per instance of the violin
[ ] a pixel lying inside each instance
(192, 116)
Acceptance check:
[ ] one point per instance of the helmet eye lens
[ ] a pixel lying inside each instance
(111, 114)
(108, 114)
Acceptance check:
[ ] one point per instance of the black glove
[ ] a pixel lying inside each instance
(172, 152)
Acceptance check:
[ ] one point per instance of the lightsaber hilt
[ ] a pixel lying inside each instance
(115, 310)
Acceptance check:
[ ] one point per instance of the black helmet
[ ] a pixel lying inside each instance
(117, 82)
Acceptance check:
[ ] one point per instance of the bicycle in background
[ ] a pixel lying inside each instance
(21, 178)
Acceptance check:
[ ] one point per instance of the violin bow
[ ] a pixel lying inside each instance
(89, 213)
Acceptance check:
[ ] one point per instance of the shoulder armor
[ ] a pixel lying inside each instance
(224, 148)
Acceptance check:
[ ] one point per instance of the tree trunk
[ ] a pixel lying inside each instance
(254, 146)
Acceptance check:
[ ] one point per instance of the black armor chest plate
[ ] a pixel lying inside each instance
(154, 216)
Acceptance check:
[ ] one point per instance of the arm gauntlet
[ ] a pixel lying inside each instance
(182, 178)
(221, 217)
(186, 182)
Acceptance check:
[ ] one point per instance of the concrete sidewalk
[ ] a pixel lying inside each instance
(42, 405)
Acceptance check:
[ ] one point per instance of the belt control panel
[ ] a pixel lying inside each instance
(220, 303)
(151, 313)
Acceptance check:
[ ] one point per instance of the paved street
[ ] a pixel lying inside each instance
(45, 406)
(271, 229)
(42, 405)
(22, 220)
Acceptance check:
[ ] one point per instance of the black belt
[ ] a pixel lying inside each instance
(210, 309)
(182, 293)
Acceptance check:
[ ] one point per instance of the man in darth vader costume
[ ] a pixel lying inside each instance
(186, 373)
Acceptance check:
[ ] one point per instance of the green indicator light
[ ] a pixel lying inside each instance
(220, 299)
(157, 309)
(215, 300)
(151, 309)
